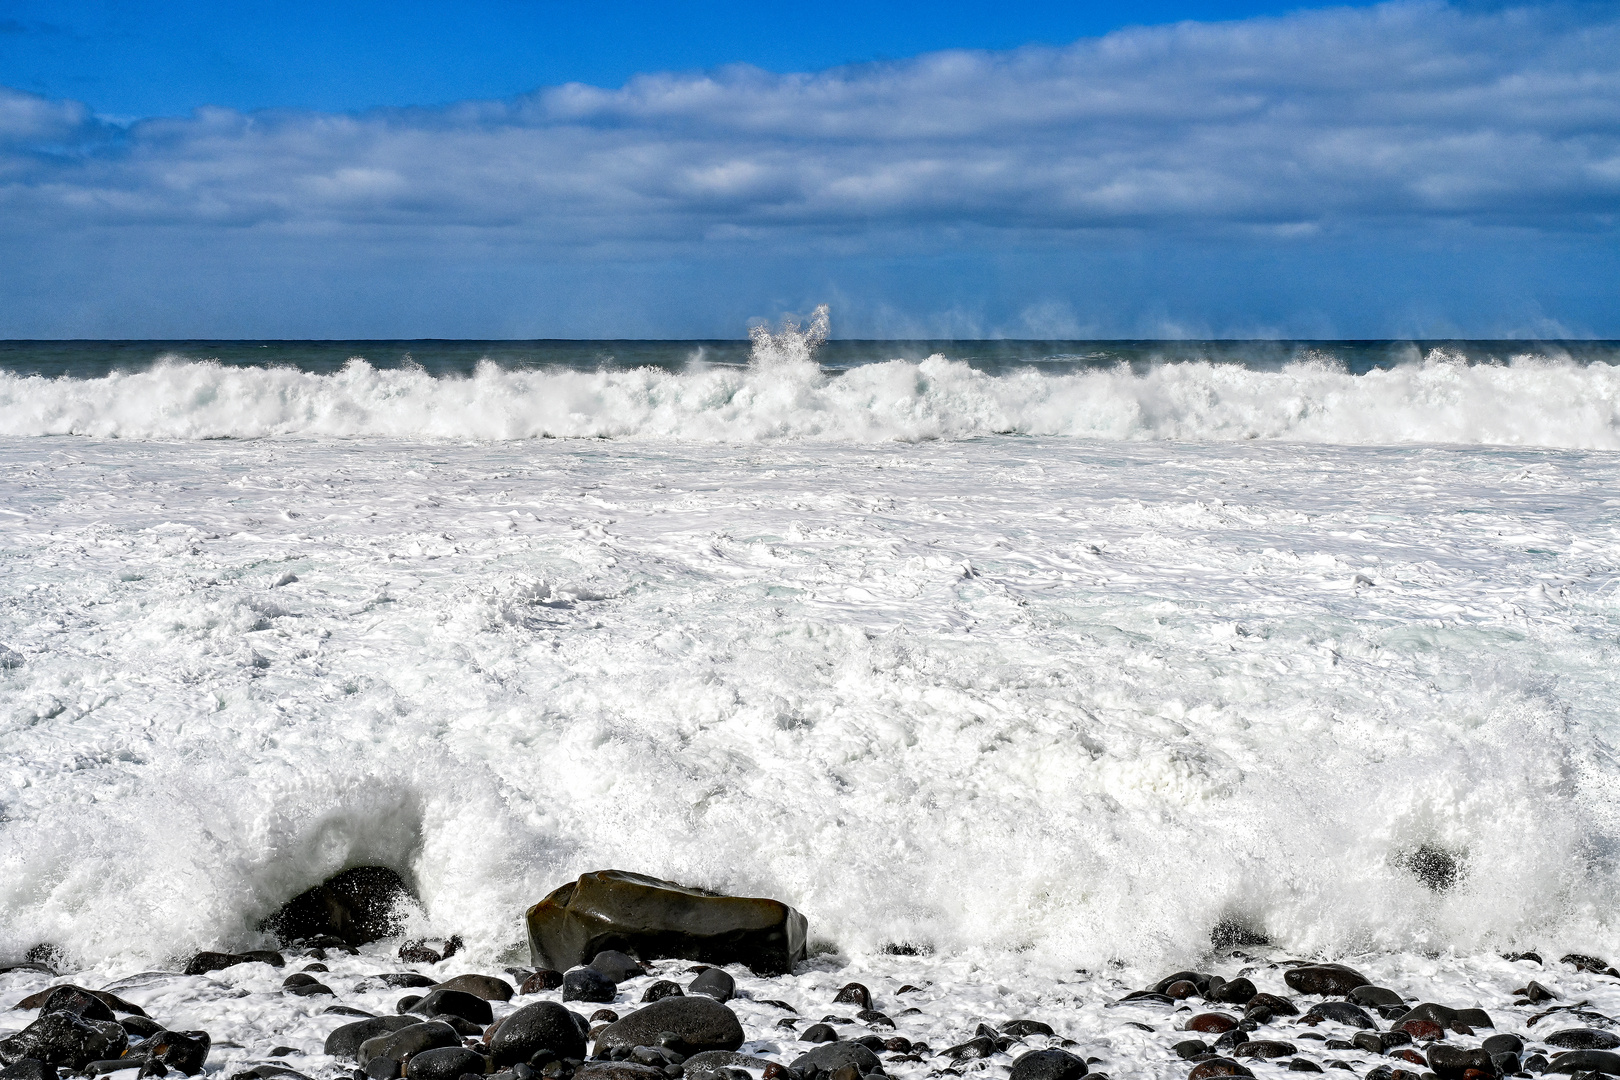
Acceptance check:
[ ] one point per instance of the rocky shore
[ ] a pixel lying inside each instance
(335, 1006)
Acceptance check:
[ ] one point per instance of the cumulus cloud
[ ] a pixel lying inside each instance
(1404, 113)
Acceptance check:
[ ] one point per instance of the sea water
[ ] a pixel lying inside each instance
(1028, 659)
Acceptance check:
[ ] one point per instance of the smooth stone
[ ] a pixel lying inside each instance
(469, 1007)
(1602, 1061)
(1324, 979)
(1371, 995)
(1266, 1048)
(407, 1042)
(698, 1023)
(588, 984)
(1340, 1012)
(1451, 1062)
(1219, 1066)
(444, 1063)
(204, 962)
(66, 1041)
(1582, 1039)
(1048, 1065)
(652, 918)
(487, 987)
(358, 906)
(344, 1042)
(661, 989)
(1237, 991)
(617, 966)
(705, 1065)
(543, 1025)
(715, 983)
(831, 1056)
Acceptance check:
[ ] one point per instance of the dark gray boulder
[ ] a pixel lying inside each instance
(834, 1055)
(543, 1025)
(401, 1045)
(444, 1063)
(1048, 1065)
(714, 983)
(651, 918)
(65, 1041)
(469, 1007)
(698, 1023)
(357, 906)
(345, 1041)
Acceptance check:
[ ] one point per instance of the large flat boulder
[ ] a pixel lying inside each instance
(651, 919)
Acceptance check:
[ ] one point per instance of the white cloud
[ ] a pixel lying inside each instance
(1283, 127)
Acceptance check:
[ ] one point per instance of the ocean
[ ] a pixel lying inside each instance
(1027, 670)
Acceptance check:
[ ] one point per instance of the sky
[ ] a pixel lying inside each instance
(506, 169)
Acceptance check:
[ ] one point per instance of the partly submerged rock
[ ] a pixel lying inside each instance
(650, 918)
(358, 906)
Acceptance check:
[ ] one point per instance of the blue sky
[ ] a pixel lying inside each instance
(533, 169)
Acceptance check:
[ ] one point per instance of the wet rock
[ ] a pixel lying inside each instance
(204, 962)
(651, 918)
(659, 990)
(696, 1023)
(619, 1070)
(1324, 980)
(1582, 1039)
(444, 1063)
(1048, 1065)
(544, 979)
(182, 1051)
(854, 994)
(140, 1027)
(487, 987)
(1023, 1029)
(1219, 1066)
(400, 1046)
(1277, 1006)
(1603, 1061)
(980, 1047)
(1339, 1012)
(1582, 962)
(65, 1041)
(1451, 1062)
(1232, 992)
(829, 1057)
(705, 1065)
(1190, 1048)
(1211, 1023)
(818, 1033)
(715, 983)
(469, 1007)
(1370, 995)
(588, 984)
(358, 906)
(29, 1069)
(1379, 1042)
(544, 1025)
(616, 965)
(345, 1041)
(1266, 1048)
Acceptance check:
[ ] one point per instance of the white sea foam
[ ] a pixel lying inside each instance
(1040, 697)
(1532, 401)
